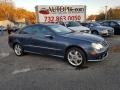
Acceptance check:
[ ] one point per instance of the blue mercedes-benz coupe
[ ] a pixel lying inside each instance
(57, 40)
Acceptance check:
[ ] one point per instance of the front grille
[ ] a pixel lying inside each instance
(111, 31)
(104, 43)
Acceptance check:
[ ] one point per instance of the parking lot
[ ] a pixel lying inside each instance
(35, 72)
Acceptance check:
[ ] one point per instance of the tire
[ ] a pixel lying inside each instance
(75, 57)
(18, 49)
(95, 33)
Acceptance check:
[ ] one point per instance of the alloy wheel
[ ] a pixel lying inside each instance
(75, 58)
(18, 50)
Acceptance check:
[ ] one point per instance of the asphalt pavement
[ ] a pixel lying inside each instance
(36, 72)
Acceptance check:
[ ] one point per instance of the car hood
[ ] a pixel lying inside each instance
(79, 28)
(85, 36)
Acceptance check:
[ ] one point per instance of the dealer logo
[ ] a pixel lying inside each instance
(44, 11)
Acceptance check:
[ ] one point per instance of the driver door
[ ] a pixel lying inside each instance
(44, 40)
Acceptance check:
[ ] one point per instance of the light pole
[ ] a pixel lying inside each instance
(106, 12)
(106, 9)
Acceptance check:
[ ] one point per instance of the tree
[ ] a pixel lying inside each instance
(11, 13)
(27, 15)
(101, 16)
(112, 14)
(7, 11)
(92, 17)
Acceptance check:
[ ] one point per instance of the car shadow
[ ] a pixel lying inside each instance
(46, 62)
(64, 64)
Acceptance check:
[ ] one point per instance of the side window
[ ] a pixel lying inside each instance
(113, 24)
(101, 24)
(105, 24)
(91, 25)
(27, 30)
(68, 24)
(62, 23)
(87, 25)
(42, 31)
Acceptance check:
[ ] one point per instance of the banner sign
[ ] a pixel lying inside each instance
(54, 13)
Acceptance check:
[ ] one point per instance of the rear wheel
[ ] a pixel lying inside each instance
(76, 57)
(18, 49)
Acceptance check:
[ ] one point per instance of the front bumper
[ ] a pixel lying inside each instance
(107, 33)
(99, 56)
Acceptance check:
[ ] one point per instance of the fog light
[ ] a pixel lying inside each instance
(93, 53)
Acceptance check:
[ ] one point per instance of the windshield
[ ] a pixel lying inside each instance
(72, 24)
(119, 22)
(96, 24)
(60, 29)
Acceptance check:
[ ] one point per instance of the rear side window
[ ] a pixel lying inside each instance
(41, 31)
(105, 23)
(27, 30)
(83, 24)
(62, 23)
(91, 24)
(113, 24)
(86, 25)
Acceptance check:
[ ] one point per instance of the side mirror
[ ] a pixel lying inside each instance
(49, 36)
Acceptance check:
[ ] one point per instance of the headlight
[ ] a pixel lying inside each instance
(104, 31)
(97, 46)
(85, 31)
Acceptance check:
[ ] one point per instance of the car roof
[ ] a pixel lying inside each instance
(88, 22)
(46, 24)
(110, 20)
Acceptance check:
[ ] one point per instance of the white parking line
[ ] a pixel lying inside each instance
(21, 71)
(4, 54)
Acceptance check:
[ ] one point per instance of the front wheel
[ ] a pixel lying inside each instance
(76, 57)
(18, 49)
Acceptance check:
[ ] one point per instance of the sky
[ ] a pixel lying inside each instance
(93, 6)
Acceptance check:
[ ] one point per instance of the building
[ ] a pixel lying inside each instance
(6, 22)
(7, 1)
